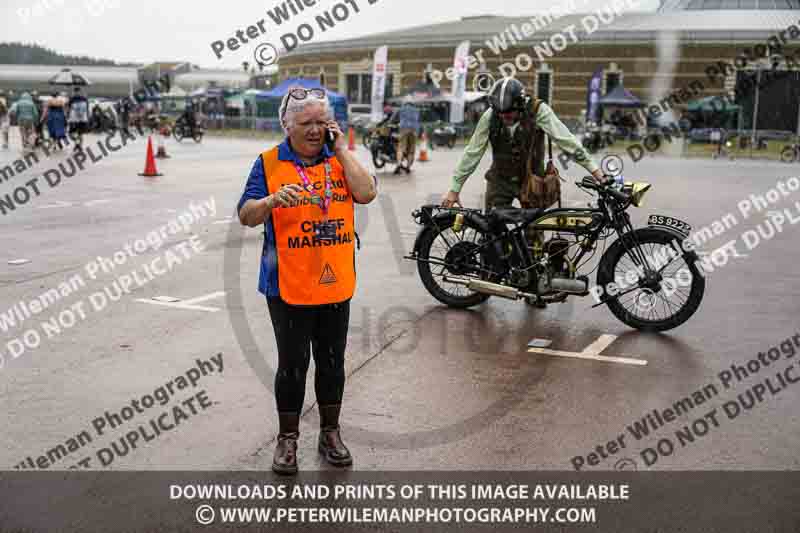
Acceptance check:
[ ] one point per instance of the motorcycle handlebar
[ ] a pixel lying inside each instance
(589, 182)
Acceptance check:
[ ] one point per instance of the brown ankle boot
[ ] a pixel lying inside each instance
(330, 441)
(285, 459)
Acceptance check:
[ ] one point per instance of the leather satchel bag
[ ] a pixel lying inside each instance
(541, 191)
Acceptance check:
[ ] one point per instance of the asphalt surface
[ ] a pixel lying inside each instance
(428, 388)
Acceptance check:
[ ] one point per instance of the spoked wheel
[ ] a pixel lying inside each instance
(453, 254)
(659, 296)
(789, 154)
(377, 155)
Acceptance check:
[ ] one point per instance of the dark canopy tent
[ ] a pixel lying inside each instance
(620, 97)
(713, 112)
(269, 102)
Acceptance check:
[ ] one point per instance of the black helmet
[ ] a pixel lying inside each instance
(507, 94)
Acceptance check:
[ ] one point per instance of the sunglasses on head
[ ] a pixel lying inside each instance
(302, 94)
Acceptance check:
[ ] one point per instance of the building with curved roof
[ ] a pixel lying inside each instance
(651, 53)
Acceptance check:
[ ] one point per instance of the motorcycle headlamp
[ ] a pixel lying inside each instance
(637, 190)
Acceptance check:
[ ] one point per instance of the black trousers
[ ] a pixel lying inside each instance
(299, 332)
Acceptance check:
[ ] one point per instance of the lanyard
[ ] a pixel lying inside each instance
(324, 201)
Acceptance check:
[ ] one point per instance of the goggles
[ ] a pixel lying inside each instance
(302, 94)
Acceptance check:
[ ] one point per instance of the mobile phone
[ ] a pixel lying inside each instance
(330, 139)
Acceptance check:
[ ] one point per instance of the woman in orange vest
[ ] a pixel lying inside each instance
(303, 192)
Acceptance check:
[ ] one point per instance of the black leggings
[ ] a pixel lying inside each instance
(298, 329)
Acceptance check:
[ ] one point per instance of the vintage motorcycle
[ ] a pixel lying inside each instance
(383, 145)
(184, 130)
(648, 277)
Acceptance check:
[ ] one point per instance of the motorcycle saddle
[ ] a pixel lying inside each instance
(513, 215)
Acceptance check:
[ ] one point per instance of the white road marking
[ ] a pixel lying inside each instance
(168, 299)
(593, 352)
(95, 202)
(58, 203)
(186, 304)
(226, 220)
(18, 261)
(204, 298)
(599, 345)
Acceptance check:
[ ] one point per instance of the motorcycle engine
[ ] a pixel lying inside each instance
(556, 248)
(558, 267)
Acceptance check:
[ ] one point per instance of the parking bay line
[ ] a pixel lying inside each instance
(592, 352)
(188, 304)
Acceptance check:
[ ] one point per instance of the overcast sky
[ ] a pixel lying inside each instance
(182, 30)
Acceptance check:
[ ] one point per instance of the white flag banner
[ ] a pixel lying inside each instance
(379, 82)
(459, 83)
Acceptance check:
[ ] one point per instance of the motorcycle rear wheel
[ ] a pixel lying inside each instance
(458, 255)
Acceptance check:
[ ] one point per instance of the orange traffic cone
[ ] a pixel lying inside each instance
(351, 141)
(161, 153)
(423, 151)
(150, 170)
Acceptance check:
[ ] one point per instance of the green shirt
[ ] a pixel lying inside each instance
(546, 120)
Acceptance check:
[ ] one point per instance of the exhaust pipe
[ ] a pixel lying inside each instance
(572, 286)
(485, 287)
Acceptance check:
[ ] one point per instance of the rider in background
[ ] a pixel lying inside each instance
(509, 126)
(409, 129)
(189, 116)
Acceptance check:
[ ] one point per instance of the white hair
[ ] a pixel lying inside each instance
(290, 107)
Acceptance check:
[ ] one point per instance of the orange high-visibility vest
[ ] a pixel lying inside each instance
(312, 271)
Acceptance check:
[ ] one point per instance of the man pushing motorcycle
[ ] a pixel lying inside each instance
(513, 125)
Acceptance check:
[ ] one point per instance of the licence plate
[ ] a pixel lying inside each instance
(669, 222)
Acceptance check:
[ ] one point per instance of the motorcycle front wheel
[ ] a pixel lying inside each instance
(657, 297)
(453, 253)
(178, 134)
(377, 159)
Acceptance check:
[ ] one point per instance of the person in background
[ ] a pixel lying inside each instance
(303, 192)
(39, 127)
(56, 120)
(125, 107)
(409, 129)
(27, 116)
(78, 117)
(4, 120)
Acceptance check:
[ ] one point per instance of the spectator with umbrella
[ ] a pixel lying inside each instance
(78, 109)
(78, 116)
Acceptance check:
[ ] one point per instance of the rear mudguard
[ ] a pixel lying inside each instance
(432, 216)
